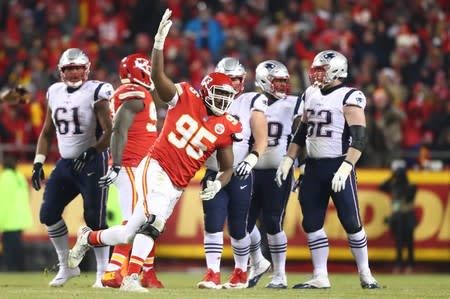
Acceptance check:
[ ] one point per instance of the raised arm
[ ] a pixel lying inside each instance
(164, 85)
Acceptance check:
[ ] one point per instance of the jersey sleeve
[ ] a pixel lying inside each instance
(103, 92)
(299, 106)
(355, 97)
(259, 103)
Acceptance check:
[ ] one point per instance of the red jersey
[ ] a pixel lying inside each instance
(142, 132)
(189, 136)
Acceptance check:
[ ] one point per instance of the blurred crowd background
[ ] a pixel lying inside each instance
(398, 52)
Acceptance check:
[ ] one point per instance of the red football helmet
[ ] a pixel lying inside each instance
(136, 68)
(217, 92)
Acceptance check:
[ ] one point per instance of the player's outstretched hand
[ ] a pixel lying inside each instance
(110, 177)
(341, 175)
(212, 187)
(163, 30)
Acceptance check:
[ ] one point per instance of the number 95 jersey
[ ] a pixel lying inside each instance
(190, 135)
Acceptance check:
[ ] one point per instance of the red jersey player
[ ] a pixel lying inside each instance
(133, 133)
(196, 125)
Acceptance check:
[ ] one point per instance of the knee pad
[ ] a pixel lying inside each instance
(47, 217)
(92, 220)
(310, 226)
(351, 225)
(272, 224)
(153, 227)
(353, 229)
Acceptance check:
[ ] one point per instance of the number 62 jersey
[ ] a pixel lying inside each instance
(190, 135)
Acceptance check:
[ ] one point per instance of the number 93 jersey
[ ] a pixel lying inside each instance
(189, 135)
(74, 117)
(328, 133)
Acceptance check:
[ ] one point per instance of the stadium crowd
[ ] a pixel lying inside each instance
(399, 56)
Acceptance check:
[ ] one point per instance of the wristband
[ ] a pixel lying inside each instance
(39, 158)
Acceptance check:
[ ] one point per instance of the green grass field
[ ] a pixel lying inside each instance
(182, 285)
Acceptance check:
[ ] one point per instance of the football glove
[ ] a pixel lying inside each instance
(212, 187)
(341, 175)
(163, 30)
(110, 177)
(283, 170)
(37, 176)
(244, 168)
(80, 162)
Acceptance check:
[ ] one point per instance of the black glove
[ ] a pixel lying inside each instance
(37, 176)
(86, 156)
(110, 176)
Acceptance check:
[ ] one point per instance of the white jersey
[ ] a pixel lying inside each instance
(328, 134)
(74, 117)
(280, 118)
(242, 108)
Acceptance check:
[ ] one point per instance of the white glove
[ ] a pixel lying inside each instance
(163, 30)
(110, 177)
(244, 168)
(212, 187)
(341, 175)
(283, 170)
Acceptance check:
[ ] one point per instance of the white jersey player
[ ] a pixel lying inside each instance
(268, 199)
(78, 111)
(332, 130)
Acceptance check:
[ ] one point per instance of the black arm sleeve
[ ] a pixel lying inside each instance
(300, 134)
(358, 134)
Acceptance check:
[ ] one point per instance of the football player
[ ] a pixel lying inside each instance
(78, 111)
(232, 202)
(269, 200)
(196, 125)
(134, 131)
(333, 133)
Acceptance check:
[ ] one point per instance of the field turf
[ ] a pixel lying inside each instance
(182, 285)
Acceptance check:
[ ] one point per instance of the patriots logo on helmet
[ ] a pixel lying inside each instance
(269, 66)
(329, 55)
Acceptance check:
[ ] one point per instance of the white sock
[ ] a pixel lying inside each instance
(241, 250)
(59, 236)
(255, 246)
(142, 246)
(101, 257)
(278, 247)
(213, 245)
(358, 246)
(319, 248)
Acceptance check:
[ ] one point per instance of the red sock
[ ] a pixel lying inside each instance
(135, 265)
(94, 238)
(120, 254)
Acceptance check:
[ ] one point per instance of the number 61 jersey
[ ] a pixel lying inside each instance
(190, 135)
(74, 117)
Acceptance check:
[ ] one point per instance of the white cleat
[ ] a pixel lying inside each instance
(368, 281)
(132, 283)
(279, 281)
(77, 253)
(257, 271)
(63, 275)
(317, 282)
(98, 285)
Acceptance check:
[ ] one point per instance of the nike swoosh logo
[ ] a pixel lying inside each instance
(90, 173)
(243, 187)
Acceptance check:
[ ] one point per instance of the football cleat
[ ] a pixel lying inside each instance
(78, 251)
(149, 280)
(257, 271)
(278, 281)
(132, 283)
(98, 284)
(238, 280)
(112, 279)
(211, 280)
(317, 282)
(63, 275)
(368, 281)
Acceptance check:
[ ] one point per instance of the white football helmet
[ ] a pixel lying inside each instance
(327, 66)
(74, 57)
(217, 92)
(269, 70)
(234, 69)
